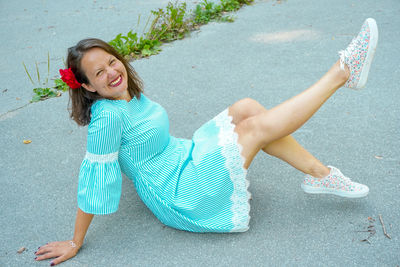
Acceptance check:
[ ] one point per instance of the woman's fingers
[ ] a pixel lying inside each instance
(44, 250)
(48, 255)
(54, 244)
(47, 252)
(59, 260)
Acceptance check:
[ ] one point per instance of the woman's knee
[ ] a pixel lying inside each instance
(244, 109)
(259, 127)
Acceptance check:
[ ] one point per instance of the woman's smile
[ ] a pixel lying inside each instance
(116, 82)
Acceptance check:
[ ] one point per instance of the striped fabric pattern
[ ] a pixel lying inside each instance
(99, 187)
(196, 185)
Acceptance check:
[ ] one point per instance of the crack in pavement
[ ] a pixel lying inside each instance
(3, 116)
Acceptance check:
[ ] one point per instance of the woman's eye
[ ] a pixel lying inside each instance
(112, 61)
(98, 73)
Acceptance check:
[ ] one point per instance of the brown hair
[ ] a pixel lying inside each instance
(81, 100)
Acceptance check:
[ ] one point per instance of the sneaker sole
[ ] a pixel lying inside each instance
(370, 54)
(312, 190)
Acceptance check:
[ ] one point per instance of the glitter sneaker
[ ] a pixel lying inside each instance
(359, 54)
(334, 183)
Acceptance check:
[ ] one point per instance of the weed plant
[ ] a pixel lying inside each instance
(171, 24)
(209, 11)
(230, 5)
(60, 85)
(206, 12)
(43, 91)
(131, 46)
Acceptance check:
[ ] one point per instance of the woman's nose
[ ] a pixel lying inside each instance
(111, 72)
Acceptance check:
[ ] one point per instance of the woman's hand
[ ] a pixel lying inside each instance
(61, 251)
(65, 250)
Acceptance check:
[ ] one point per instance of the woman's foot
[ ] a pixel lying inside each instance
(334, 183)
(359, 54)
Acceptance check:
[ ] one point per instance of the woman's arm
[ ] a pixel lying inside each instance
(82, 223)
(64, 250)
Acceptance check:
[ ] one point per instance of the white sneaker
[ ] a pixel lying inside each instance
(334, 183)
(359, 54)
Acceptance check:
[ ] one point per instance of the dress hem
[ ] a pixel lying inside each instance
(232, 151)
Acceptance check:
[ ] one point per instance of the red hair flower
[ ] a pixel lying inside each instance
(69, 78)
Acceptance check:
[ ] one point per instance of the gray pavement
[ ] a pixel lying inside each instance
(271, 52)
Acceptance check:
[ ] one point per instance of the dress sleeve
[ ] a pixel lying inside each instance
(99, 187)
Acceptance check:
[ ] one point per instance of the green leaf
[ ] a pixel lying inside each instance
(60, 85)
(36, 98)
(132, 36)
(51, 93)
(146, 51)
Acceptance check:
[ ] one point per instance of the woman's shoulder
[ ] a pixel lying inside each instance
(105, 107)
(118, 108)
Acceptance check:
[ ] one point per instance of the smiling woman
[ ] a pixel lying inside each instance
(103, 73)
(197, 184)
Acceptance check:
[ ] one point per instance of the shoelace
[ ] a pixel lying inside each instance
(339, 176)
(344, 54)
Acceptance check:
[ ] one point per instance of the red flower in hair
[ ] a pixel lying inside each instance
(69, 78)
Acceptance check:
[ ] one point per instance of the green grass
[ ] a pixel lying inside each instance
(134, 47)
(173, 23)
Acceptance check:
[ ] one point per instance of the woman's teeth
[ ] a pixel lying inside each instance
(116, 81)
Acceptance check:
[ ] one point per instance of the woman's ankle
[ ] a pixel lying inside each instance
(341, 74)
(319, 172)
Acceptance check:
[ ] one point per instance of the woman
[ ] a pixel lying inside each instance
(196, 185)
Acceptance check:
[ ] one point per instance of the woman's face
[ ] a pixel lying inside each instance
(107, 75)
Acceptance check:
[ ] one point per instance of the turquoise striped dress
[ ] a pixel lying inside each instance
(197, 185)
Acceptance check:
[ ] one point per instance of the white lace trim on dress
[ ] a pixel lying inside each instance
(234, 163)
(101, 158)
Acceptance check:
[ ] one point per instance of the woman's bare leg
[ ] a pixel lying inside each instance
(288, 150)
(285, 148)
(257, 132)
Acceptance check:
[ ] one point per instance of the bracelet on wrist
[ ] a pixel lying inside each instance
(73, 244)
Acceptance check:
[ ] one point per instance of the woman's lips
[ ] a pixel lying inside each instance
(116, 82)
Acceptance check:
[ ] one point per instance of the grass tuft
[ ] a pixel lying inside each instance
(173, 23)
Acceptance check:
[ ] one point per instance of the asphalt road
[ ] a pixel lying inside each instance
(272, 51)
